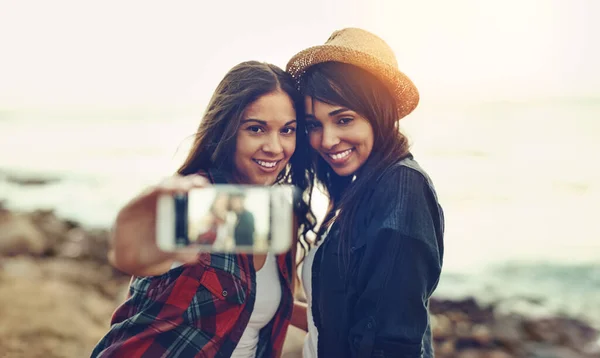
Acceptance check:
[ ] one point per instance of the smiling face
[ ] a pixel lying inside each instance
(342, 137)
(265, 140)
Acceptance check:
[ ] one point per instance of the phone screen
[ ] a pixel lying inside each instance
(230, 218)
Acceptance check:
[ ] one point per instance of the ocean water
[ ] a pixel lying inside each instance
(519, 183)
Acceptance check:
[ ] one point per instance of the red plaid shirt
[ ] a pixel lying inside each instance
(197, 310)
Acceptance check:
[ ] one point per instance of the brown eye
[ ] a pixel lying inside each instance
(255, 129)
(345, 120)
(288, 130)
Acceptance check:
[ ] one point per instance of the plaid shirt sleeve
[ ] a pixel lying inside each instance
(198, 310)
(191, 311)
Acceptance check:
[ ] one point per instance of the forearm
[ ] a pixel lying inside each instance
(136, 267)
(299, 316)
(134, 260)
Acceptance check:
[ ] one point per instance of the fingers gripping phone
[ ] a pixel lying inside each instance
(227, 218)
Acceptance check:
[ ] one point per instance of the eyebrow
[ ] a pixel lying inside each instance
(330, 114)
(264, 123)
(338, 111)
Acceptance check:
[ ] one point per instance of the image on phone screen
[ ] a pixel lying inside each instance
(228, 220)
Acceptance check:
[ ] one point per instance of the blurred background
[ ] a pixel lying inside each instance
(99, 99)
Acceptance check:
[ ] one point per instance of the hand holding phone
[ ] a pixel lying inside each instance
(133, 238)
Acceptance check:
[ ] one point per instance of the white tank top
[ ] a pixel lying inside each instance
(309, 350)
(268, 297)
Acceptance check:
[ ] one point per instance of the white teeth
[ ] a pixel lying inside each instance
(266, 164)
(341, 155)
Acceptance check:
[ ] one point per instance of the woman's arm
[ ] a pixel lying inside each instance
(399, 271)
(299, 317)
(391, 313)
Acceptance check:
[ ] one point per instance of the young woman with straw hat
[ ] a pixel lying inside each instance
(378, 256)
(216, 305)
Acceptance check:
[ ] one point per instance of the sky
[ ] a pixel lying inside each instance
(159, 53)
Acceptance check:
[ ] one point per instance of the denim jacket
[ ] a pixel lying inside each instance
(376, 305)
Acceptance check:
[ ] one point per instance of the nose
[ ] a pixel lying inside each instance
(329, 139)
(273, 145)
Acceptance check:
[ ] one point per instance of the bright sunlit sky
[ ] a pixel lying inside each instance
(107, 53)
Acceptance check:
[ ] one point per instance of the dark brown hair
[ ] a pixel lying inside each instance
(352, 87)
(215, 140)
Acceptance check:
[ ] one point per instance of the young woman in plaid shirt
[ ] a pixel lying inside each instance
(215, 305)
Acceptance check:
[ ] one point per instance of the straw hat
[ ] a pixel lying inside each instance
(363, 49)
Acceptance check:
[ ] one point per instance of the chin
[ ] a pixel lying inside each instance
(344, 172)
(264, 180)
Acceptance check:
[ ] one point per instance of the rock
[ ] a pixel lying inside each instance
(482, 334)
(592, 348)
(53, 228)
(464, 343)
(441, 326)
(541, 331)
(25, 267)
(463, 327)
(498, 354)
(42, 233)
(445, 349)
(544, 350)
(560, 331)
(81, 244)
(74, 245)
(470, 353)
(508, 333)
(19, 235)
(467, 307)
(98, 245)
(50, 318)
(57, 270)
(85, 274)
(574, 333)
(22, 179)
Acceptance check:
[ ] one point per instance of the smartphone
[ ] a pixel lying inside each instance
(227, 218)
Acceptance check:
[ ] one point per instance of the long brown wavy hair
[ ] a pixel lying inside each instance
(352, 87)
(215, 140)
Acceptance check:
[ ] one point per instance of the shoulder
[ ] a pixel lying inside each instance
(405, 180)
(404, 200)
(407, 168)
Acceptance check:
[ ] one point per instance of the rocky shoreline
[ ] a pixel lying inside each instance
(463, 328)
(57, 293)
